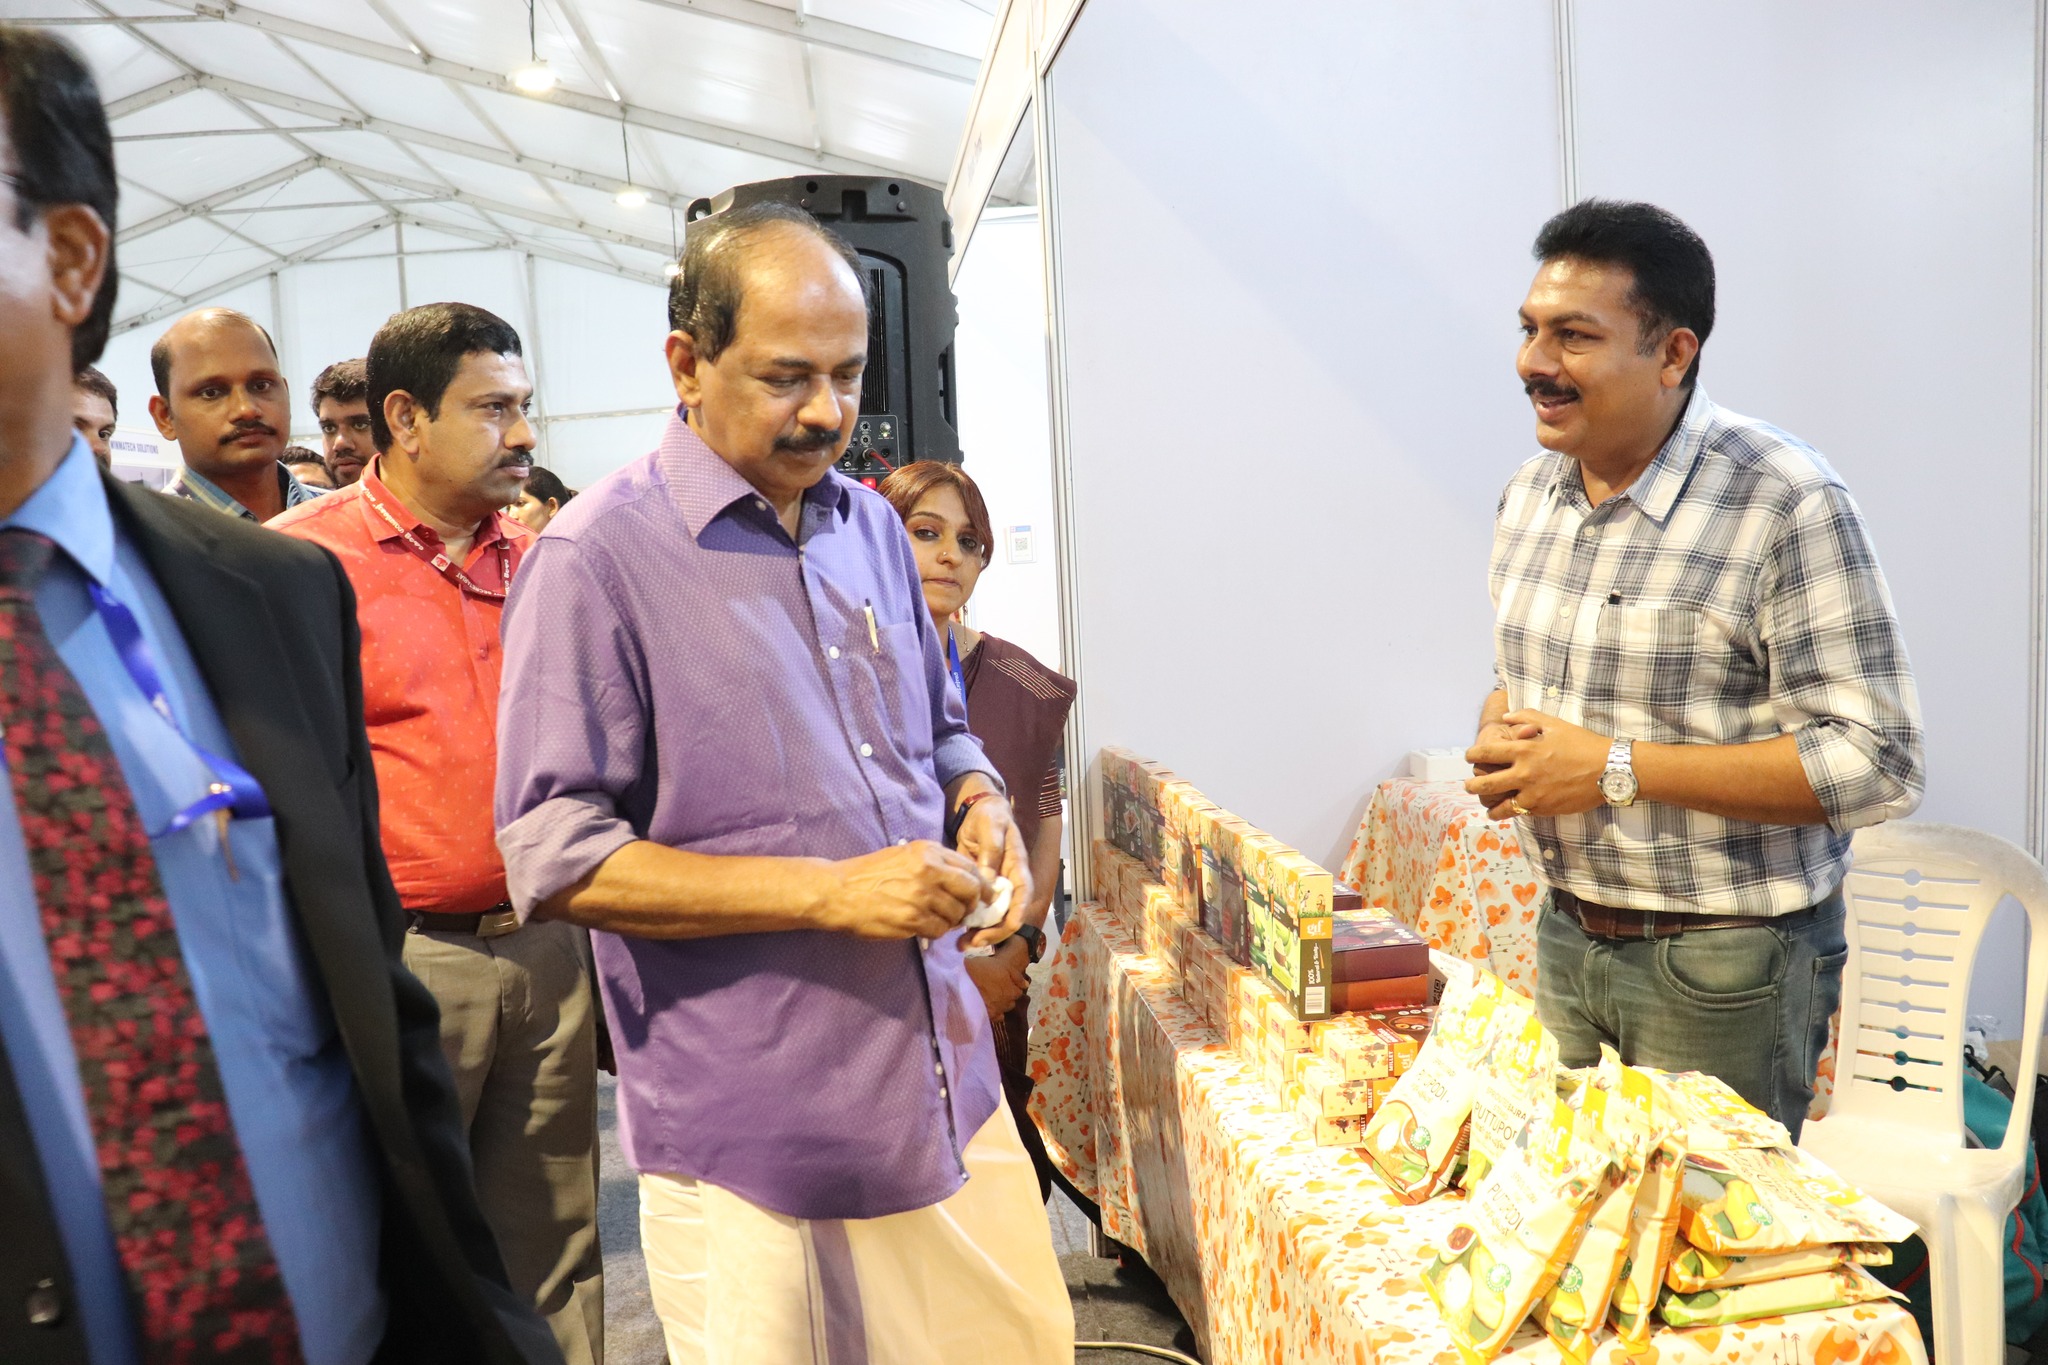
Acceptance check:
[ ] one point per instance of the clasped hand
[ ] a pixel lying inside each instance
(1527, 763)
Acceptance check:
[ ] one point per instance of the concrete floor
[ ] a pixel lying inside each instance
(1110, 1303)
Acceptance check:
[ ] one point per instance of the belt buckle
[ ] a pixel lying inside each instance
(497, 923)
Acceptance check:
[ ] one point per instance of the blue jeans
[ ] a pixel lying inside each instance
(1749, 1004)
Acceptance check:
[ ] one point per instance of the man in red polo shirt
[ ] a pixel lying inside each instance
(431, 557)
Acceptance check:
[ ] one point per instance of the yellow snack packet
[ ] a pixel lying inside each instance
(1750, 1200)
(1511, 1242)
(1419, 1130)
(1517, 1081)
(1714, 1117)
(1845, 1284)
(1572, 1311)
(1653, 1218)
(1692, 1270)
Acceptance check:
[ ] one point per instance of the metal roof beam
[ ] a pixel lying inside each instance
(150, 98)
(695, 129)
(539, 217)
(531, 248)
(200, 207)
(831, 33)
(250, 276)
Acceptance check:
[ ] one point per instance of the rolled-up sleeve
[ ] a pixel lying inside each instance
(1839, 677)
(572, 724)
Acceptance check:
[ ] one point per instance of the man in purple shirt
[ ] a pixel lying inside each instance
(728, 747)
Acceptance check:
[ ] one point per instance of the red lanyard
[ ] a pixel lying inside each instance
(443, 565)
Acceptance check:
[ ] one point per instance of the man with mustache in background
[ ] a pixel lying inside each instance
(221, 397)
(1701, 685)
(431, 557)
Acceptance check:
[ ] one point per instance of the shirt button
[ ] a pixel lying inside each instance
(942, 1093)
(867, 751)
(1564, 612)
(45, 1306)
(761, 503)
(938, 1068)
(1550, 691)
(901, 842)
(1550, 853)
(832, 651)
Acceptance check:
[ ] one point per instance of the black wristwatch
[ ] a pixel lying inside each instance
(1034, 939)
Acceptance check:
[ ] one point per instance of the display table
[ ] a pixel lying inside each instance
(1428, 856)
(1274, 1249)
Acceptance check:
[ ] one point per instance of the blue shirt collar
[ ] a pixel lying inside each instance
(71, 509)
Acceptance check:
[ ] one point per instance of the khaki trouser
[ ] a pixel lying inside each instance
(519, 1033)
(968, 1281)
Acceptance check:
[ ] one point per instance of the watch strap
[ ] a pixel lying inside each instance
(1034, 939)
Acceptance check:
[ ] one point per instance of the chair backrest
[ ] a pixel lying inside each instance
(1919, 897)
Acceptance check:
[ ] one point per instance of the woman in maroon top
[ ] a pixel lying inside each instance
(1017, 708)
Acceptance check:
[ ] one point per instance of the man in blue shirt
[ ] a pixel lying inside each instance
(213, 667)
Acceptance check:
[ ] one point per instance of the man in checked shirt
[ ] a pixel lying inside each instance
(1701, 688)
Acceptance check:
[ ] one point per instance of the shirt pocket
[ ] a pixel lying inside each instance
(1644, 669)
(904, 694)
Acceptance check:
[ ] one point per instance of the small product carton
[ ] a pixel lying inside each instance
(1130, 803)
(1223, 895)
(1369, 946)
(1358, 1053)
(1181, 808)
(1326, 1094)
(1288, 898)
(1388, 993)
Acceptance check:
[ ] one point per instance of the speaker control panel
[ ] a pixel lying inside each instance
(875, 448)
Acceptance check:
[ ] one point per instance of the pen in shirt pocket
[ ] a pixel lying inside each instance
(867, 609)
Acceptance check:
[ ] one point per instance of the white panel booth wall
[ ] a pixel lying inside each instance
(593, 342)
(1288, 256)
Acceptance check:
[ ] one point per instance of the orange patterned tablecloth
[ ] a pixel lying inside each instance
(1277, 1251)
(1427, 854)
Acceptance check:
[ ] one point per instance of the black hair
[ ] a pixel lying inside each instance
(1673, 270)
(92, 381)
(419, 351)
(64, 152)
(704, 298)
(344, 382)
(160, 349)
(300, 455)
(545, 484)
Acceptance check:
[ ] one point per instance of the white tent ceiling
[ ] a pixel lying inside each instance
(253, 139)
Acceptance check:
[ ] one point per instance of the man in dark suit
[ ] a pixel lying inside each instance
(227, 1132)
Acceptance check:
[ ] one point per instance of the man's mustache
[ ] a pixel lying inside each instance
(812, 438)
(248, 429)
(1551, 390)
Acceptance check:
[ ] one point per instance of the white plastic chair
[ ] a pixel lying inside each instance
(1919, 896)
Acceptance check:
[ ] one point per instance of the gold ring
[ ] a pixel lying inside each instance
(1518, 808)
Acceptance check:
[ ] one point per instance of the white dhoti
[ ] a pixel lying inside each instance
(968, 1281)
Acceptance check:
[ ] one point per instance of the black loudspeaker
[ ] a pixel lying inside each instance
(904, 237)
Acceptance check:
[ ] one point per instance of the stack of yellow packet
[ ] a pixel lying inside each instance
(1516, 1083)
(1513, 1239)
(1692, 1270)
(1419, 1131)
(1573, 1310)
(1653, 1218)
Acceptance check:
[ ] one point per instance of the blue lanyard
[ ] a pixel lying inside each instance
(953, 665)
(232, 790)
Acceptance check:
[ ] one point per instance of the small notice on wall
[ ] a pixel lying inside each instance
(1020, 548)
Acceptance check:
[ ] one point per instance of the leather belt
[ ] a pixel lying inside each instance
(1605, 921)
(499, 920)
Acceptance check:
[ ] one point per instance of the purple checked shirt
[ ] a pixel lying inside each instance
(678, 669)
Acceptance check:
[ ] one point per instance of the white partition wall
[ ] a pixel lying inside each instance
(1287, 256)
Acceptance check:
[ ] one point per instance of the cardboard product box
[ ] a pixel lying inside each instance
(1180, 842)
(1224, 913)
(1285, 1032)
(1392, 993)
(1288, 902)
(1367, 946)
(1326, 1094)
(1405, 1031)
(1130, 803)
(1344, 1132)
(1345, 899)
(1359, 1054)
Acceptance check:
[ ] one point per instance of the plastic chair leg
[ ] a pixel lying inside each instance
(1967, 1277)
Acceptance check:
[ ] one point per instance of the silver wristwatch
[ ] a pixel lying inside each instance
(1618, 782)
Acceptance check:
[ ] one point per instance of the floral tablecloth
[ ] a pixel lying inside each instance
(1277, 1251)
(1426, 854)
